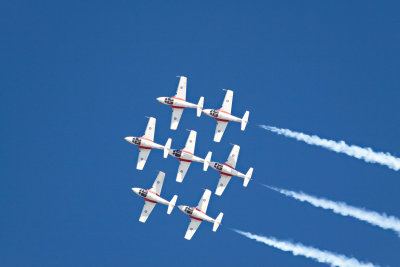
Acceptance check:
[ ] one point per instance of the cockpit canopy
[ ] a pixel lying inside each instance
(189, 210)
(143, 192)
(218, 166)
(177, 153)
(214, 113)
(168, 100)
(136, 140)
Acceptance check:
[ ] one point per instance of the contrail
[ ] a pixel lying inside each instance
(381, 220)
(366, 154)
(296, 249)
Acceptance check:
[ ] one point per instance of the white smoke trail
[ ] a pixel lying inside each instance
(366, 154)
(381, 220)
(296, 249)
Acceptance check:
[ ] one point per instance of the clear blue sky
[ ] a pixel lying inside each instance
(77, 77)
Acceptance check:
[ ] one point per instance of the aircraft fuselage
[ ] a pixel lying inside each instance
(183, 155)
(221, 115)
(176, 102)
(195, 213)
(225, 169)
(150, 196)
(143, 142)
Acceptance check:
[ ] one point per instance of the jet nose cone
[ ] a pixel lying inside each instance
(128, 139)
(206, 111)
(160, 99)
(181, 207)
(135, 190)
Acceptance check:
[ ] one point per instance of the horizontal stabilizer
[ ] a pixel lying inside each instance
(200, 106)
(171, 204)
(207, 161)
(245, 119)
(217, 221)
(248, 177)
(167, 147)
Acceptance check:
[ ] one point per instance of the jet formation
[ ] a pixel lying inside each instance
(186, 156)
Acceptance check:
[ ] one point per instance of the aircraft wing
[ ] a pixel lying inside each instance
(182, 170)
(191, 142)
(176, 117)
(151, 126)
(227, 104)
(158, 183)
(181, 91)
(203, 203)
(194, 224)
(147, 209)
(233, 156)
(222, 183)
(219, 130)
(143, 155)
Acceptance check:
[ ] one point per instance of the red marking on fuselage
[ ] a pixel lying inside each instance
(223, 173)
(186, 152)
(153, 192)
(177, 107)
(145, 199)
(174, 97)
(228, 166)
(144, 147)
(199, 210)
(184, 160)
(195, 218)
(224, 111)
(221, 120)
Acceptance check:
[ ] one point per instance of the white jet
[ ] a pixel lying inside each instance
(198, 214)
(185, 156)
(227, 170)
(146, 143)
(178, 103)
(223, 116)
(152, 197)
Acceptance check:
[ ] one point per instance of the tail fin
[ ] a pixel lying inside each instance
(245, 119)
(217, 221)
(200, 106)
(167, 147)
(248, 177)
(171, 204)
(207, 161)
